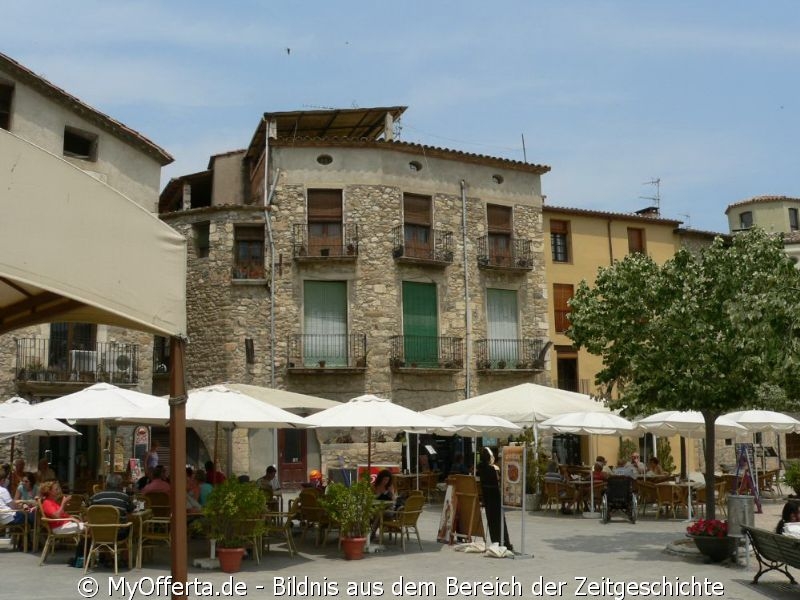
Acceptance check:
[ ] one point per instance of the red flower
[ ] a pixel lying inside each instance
(708, 528)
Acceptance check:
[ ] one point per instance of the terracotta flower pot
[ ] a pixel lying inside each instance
(353, 548)
(230, 559)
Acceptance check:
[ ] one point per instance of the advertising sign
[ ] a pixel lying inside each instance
(512, 475)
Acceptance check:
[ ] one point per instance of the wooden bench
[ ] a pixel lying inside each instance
(774, 552)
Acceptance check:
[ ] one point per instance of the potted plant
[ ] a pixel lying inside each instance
(233, 514)
(711, 538)
(352, 508)
(792, 475)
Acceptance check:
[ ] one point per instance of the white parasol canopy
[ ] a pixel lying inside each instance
(687, 423)
(103, 401)
(764, 420)
(231, 409)
(13, 426)
(475, 425)
(523, 404)
(291, 401)
(13, 405)
(372, 411)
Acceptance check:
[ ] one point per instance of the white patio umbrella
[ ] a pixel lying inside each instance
(371, 411)
(688, 424)
(475, 425)
(593, 423)
(104, 402)
(8, 408)
(292, 401)
(227, 407)
(13, 426)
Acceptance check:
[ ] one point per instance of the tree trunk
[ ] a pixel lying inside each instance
(710, 418)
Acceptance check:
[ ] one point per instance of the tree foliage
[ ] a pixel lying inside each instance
(715, 331)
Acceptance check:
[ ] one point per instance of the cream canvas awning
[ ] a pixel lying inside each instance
(74, 249)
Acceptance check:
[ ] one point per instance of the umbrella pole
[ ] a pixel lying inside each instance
(369, 453)
(13, 440)
(216, 443)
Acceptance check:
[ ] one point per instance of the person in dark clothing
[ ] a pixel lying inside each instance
(490, 485)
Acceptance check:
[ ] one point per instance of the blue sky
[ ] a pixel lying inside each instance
(703, 95)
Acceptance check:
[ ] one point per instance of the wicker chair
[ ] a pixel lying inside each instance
(52, 537)
(103, 529)
(405, 520)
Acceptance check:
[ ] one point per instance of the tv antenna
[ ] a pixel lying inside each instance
(687, 222)
(657, 198)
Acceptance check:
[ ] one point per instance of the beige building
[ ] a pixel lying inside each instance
(51, 360)
(385, 267)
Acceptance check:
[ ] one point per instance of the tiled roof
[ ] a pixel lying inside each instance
(79, 107)
(609, 215)
(414, 148)
(761, 200)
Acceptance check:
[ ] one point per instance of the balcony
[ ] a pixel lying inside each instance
(422, 245)
(510, 356)
(334, 242)
(414, 353)
(43, 364)
(516, 255)
(327, 353)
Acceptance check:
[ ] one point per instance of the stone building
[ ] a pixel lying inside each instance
(332, 259)
(51, 360)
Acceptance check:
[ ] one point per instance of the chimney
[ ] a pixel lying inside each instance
(187, 196)
(388, 127)
(649, 211)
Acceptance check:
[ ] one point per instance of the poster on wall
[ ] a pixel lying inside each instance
(511, 476)
(375, 469)
(446, 530)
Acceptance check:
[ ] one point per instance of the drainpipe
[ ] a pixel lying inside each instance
(268, 193)
(610, 246)
(467, 311)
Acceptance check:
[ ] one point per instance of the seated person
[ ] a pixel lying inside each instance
(159, 482)
(13, 512)
(636, 465)
(113, 495)
(213, 475)
(602, 460)
(654, 467)
(45, 473)
(27, 490)
(315, 481)
(624, 468)
(560, 475)
(789, 514)
(598, 474)
(270, 480)
(192, 486)
(53, 503)
(203, 486)
(383, 490)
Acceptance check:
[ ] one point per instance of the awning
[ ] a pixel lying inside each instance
(74, 249)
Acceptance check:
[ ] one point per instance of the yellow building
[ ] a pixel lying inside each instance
(581, 241)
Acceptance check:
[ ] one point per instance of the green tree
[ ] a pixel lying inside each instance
(714, 332)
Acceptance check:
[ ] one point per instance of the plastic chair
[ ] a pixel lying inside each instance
(405, 520)
(103, 529)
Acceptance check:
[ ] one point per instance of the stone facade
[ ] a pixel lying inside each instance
(224, 312)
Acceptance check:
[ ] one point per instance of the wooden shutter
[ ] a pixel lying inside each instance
(559, 227)
(562, 292)
(498, 218)
(324, 206)
(420, 323)
(635, 240)
(416, 209)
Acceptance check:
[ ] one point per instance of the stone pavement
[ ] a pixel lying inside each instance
(566, 549)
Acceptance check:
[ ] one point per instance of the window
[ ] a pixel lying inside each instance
(65, 340)
(502, 325)
(324, 222)
(794, 223)
(635, 240)
(325, 323)
(6, 94)
(324, 159)
(562, 293)
(248, 252)
(498, 220)
(200, 232)
(161, 348)
(415, 166)
(559, 240)
(80, 144)
(745, 220)
(567, 368)
(417, 226)
(249, 351)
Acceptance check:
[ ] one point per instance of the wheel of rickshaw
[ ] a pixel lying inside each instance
(634, 509)
(605, 515)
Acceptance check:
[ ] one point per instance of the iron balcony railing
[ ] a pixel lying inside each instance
(327, 351)
(519, 355)
(54, 361)
(422, 245)
(516, 254)
(328, 240)
(426, 352)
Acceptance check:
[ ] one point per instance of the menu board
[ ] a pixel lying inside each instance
(512, 476)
